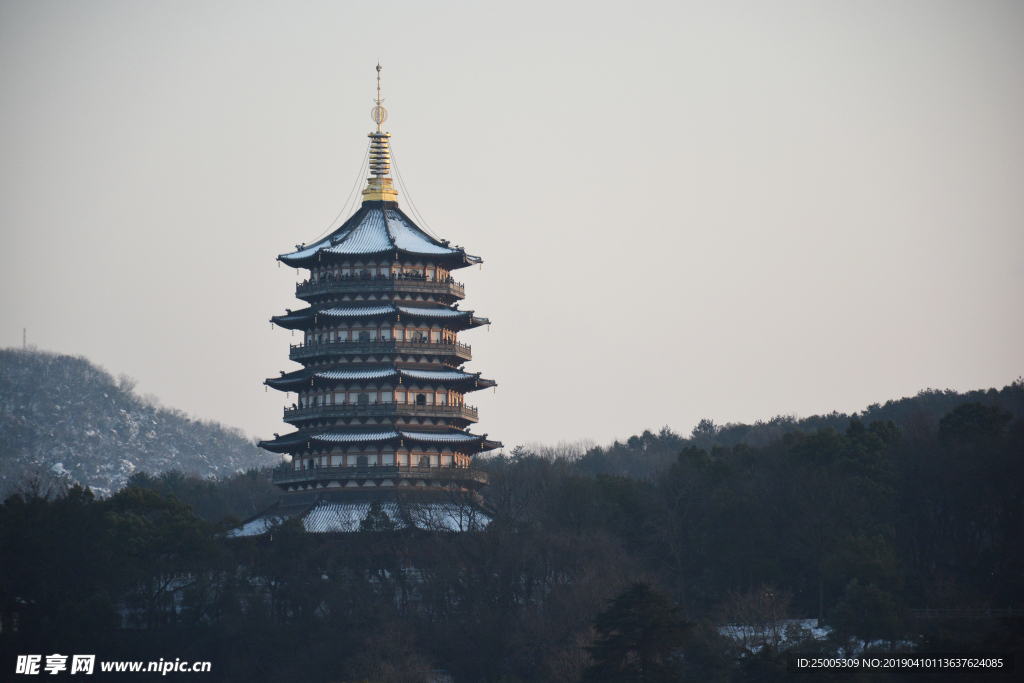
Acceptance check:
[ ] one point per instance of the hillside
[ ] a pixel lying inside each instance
(647, 454)
(62, 415)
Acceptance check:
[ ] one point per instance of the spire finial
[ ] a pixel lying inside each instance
(379, 186)
(379, 114)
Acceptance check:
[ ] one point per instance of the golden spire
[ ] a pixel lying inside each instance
(378, 188)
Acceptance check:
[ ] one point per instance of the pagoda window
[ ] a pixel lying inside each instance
(442, 399)
(446, 461)
(383, 335)
(364, 336)
(403, 459)
(346, 272)
(385, 397)
(399, 335)
(435, 336)
(363, 399)
(430, 273)
(400, 397)
(387, 458)
(342, 335)
(336, 461)
(417, 335)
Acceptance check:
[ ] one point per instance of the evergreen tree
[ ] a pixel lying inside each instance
(640, 636)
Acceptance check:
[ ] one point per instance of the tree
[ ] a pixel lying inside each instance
(866, 614)
(639, 637)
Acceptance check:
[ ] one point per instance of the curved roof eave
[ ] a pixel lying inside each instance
(370, 232)
(306, 378)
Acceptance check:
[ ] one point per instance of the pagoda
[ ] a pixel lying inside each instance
(379, 405)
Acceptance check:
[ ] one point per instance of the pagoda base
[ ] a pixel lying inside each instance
(342, 510)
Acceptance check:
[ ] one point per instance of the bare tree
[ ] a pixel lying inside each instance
(757, 618)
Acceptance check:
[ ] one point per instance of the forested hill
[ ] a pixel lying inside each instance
(643, 456)
(62, 415)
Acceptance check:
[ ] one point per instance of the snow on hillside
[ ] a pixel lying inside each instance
(65, 416)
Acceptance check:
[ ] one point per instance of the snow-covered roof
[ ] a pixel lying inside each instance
(256, 527)
(299, 319)
(452, 437)
(367, 232)
(408, 237)
(301, 378)
(376, 373)
(368, 237)
(349, 437)
(360, 312)
(299, 438)
(325, 517)
(439, 375)
(432, 312)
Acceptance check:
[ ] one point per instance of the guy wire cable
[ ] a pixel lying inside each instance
(401, 181)
(366, 155)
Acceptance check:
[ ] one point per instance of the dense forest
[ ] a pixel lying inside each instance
(665, 558)
(64, 416)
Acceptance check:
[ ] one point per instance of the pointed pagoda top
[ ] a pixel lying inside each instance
(378, 187)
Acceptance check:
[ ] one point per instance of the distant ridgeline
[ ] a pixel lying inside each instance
(645, 455)
(64, 416)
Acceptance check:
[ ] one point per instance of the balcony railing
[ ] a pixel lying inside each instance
(286, 475)
(379, 283)
(463, 412)
(446, 348)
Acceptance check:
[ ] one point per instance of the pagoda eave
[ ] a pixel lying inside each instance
(309, 379)
(306, 440)
(451, 319)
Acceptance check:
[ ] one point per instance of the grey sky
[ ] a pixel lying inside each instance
(686, 210)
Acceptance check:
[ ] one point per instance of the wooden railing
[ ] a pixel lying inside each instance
(378, 283)
(464, 351)
(286, 475)
(412, 409)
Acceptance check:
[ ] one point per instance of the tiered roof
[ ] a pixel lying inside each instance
(312, 316)
(308, 377)
(320, 438)
(378, 229)
(379, 232)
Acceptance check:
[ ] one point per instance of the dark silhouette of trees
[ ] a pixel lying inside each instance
(621, 577)
(640, 637)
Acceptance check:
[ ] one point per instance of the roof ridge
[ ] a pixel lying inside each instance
(352, 229)
(387, 226)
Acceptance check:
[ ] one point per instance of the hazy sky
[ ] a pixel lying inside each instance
(686, 210)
